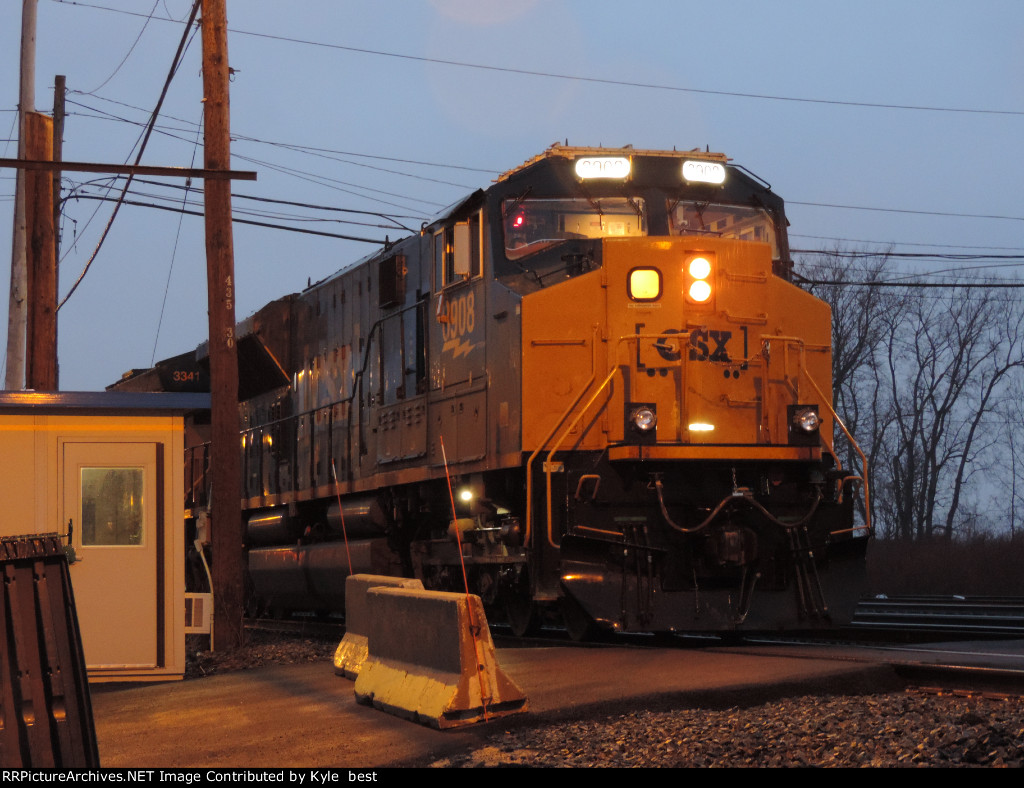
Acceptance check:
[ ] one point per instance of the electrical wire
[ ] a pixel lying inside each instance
(854, 255)
(138, 38)
(237, 221)
(293, 146)
(314, 151)
(323, 180)
(904, 243)
(182, 46)
(313, 206)
(914, 285)
(325, 153)
(236, 212)
(907, 210)
(174, 252)
(585, 79)
(334, 156)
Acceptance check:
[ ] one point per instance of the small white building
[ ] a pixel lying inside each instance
(105, 471)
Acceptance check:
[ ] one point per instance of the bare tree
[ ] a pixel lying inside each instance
(1010, 421)
(916, 373)
(861, 315)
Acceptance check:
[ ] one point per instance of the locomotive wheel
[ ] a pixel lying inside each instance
(521, 614)
(577, 621)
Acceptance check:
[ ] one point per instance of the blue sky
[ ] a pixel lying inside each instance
(386, 126)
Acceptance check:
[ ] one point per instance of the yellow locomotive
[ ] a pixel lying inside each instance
(591, 384)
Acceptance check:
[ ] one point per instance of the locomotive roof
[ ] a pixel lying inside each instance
(741, 184)
(559, 151)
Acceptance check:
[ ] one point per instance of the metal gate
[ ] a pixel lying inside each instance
(45, 710)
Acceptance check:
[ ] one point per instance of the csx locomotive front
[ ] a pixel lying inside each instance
(604, 354)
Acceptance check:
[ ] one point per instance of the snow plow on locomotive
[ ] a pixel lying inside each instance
(604, 354)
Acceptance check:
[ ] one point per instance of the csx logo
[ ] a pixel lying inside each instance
(705, 345)
(709, 345)
(457, 322)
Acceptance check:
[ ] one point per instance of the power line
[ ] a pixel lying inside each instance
(142, 147)
(293, 203)
(318, 178)
(128, 54)
(916, 276)
(903, 243)
(914, 285)
(239, 221)
(906, 210)
(855, 255)
(315, 150)
(393, 225)
(174, 252)
(586, 79)
(323, 180)
(308, 150)
(294, 146)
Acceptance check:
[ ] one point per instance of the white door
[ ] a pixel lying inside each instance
(110, 498)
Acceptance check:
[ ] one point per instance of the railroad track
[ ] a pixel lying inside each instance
(918, 615)
(953, 614)
(299, 626)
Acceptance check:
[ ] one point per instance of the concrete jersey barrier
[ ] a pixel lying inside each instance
(351, 651)
(431, 659)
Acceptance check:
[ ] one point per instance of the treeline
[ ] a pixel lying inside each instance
(977, 566)
(928, 380)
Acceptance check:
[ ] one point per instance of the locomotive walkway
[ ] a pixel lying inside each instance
(305, 716)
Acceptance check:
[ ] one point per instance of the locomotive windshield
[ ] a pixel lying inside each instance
(740, 222)
(533, 225)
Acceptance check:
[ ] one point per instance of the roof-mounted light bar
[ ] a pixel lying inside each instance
(703, 172)
(590, 168)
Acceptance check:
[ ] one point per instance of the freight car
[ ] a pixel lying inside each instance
(592, 387)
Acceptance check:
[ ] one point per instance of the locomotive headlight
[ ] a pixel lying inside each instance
(465, 495)
(699, 268)
(644, 419)
(807, 420)
(700, 291)
(698, 272)
(804, 425)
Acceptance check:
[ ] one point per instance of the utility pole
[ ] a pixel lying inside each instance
(59, 89)
(17, 316)
(225, 464)
(41, 264)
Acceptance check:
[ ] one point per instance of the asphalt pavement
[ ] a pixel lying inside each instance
(306, 716)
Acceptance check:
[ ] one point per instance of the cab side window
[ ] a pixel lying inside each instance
(457, 254)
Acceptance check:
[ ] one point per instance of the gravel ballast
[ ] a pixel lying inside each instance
(903, 729)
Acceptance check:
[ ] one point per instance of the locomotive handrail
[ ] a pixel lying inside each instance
(828, 404)
(540, 448)
(582, 412)
(856, 448)
(558, 443)
(682, 335)
(356, 392)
